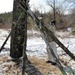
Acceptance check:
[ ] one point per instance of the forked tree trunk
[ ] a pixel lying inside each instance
(19, 32)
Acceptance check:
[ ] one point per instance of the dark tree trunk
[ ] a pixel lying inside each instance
(18, 34)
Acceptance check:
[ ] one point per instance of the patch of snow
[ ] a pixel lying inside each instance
(69, 43)
(36, 46)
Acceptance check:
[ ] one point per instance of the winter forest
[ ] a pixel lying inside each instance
(38, 38)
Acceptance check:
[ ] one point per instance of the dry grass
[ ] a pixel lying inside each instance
(10, 68)
(45, 68)
(5, 26)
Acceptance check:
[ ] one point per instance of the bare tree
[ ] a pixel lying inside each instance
(72, 1)
(72, 13)
(59, 9)
(52, 4)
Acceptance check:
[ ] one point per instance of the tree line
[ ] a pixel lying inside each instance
(6, 17)
(63, 21)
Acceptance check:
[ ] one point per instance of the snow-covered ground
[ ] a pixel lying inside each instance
(36, 45)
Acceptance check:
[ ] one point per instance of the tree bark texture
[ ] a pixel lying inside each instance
(18, 34)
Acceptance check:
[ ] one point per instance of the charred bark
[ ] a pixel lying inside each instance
(18, 34)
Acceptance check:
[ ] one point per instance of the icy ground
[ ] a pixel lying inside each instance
(37, 47)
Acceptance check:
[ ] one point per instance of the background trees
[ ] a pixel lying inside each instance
(59, 8)
(64, 14)
(71, 16)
